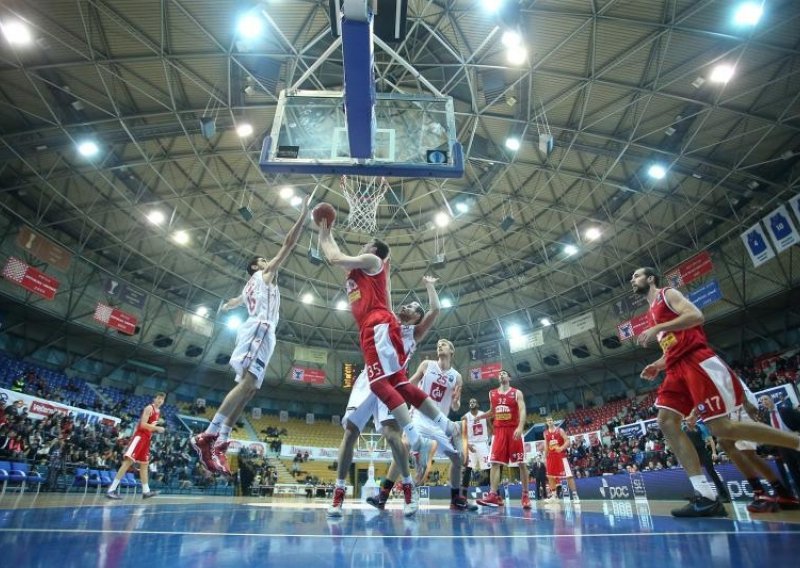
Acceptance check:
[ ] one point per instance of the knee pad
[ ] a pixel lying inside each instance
(387, 394)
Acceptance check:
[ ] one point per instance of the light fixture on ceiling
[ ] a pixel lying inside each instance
(156, 217)
(511, 38)
(286, 192)
(657, 171)
(307, 298)
(545, 322)
(492, 5)
(517, 55)
(513, 144)
(446, 303)
(442, 219)
(16, 33)
(592, 234)
(570, 250)
(341, 305)
(295, 200)
(250, 26)
(88, 148)
(234, 322)
(462, 207)
(748, 13)
(180, 237)
(722, 73)
(513, 331)
(202, 311)
(244, 130)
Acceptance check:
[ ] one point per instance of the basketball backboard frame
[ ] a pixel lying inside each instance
(282, 152)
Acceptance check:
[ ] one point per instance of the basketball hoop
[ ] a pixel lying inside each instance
(363, 195)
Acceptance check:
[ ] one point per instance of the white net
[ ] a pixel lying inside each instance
(363, 194)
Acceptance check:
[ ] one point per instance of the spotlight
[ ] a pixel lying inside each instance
(721, 73)
(156, 217)
(657, 171)
(462, 207)
(295, 201)
(180, 237)
(569, 250)
(202, 311)
(545, 322)
(517, 55)
(446, 303)
(511, 38)
(513, 144)
(88, 148)
(244, 130)
(250, 26)
(748, 14)
(513, 331)
(234, 322)
(592, 234)
(307, 298)
(16, 33)
(286, 192)
(442, 219)
(341, 305)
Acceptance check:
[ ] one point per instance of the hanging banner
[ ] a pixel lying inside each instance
(43, 248)
(116, 319)
(283, 416)
(485, 372)
(484, 352)
(630, 329)
(794, 205)
(124, 292)
(311, 355)
(755, 241)
(256, 413)
(527, 341)
(705, 295)
(576, 325)
(309, 418)
(781, 229)
(306, 375)
(31, 279)
(690, 270)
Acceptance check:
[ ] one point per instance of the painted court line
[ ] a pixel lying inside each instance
(401, 537)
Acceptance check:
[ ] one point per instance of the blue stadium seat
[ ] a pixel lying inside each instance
(5, 470)
(81, 479)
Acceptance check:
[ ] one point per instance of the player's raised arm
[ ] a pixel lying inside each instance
(289, 242)
(434, 307)
(366, 261)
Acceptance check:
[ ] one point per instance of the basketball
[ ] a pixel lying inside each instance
(324, 211)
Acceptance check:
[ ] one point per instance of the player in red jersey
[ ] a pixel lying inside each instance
(556, 443)
(138, 450)
(507, 407)
(695, 378)
(385, 359)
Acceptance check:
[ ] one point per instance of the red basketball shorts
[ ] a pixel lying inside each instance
(506, 449)
(138, 448)
(382, 347)
(557, 465)
(700, 379)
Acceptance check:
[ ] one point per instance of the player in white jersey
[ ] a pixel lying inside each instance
(443, 385)
(255, 342)
(364, 404)
(477, 434)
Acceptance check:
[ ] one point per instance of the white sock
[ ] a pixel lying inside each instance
(702, 486)
(114, 485)
(216, 423)
(224, 434)
(411, 434)
(145, 488)
(407, 479)
(340, 483)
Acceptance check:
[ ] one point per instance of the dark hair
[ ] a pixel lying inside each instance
(506, 371)
(253, 262)
(649, 271)
(381, 249)
(419, 310)
(161, 394)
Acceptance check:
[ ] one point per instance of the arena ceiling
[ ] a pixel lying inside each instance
(621, 85)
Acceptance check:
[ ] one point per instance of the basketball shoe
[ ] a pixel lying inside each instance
(700, 506)
(763, 503)
(114, 495)
(379, 501)
(411, 505)
(335, 509)
(461, 503)
(490, 500)
(149, 494)
(203, 444)
(526, 502)
(220, 459)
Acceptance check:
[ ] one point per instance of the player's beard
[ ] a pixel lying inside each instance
(642, 291)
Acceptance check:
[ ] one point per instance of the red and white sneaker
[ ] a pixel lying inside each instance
(411, 505)
(489, 500)
(526, 502)
(335, 509)
(220, 459)
(203, 444)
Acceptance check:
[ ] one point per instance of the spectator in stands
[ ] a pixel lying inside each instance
(12, 448)
(306, 456)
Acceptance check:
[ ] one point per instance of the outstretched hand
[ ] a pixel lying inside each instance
(428, 279)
